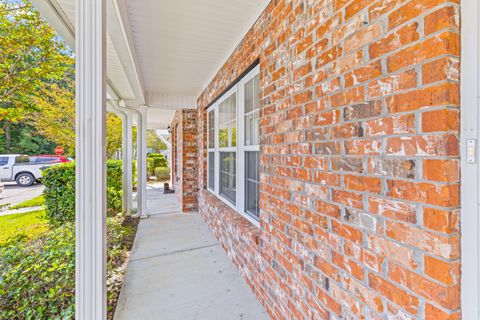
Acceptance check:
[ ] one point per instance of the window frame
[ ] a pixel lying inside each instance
(239, 90)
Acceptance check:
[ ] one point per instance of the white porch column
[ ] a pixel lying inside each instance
(142, 162)
(90, 285)
(127, 158)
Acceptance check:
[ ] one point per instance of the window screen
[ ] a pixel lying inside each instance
(228, 175)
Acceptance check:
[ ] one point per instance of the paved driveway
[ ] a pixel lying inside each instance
(14, 194)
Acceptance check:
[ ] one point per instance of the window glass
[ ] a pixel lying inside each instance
(222, 154)
(211, 129)
(227, 118)
(252, 182)
(211, 170)
(252, 103)
(22, 159)
(3, 161)
(228, 175)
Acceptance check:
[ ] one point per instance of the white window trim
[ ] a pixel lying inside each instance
(240, 149)
(470, 192)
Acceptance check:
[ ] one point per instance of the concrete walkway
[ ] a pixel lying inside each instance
(178, 270)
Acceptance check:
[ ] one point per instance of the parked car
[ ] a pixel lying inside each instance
(20, 168)
(46, 158)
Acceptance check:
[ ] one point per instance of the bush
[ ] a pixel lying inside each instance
(162, 173)
(155, 160)
(114, 174)
(37, 279)
(59, 191)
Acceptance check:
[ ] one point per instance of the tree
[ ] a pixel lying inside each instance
(55, 115)
(114, 134)
(31, 55)
(154, 142)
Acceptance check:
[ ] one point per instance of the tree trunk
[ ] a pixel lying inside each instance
(8, 138)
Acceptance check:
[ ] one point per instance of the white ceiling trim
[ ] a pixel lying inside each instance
(120, 34)
(170, 102)
(244, 32)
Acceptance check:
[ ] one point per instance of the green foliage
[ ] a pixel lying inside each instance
(114, 174)
(59, 191)
(35, 202)
(37, 279)
(114, 200)
(25, 139)
(22, 225)
(162, 173)
(31, 57)
(114, 134)
(155, 160)
(154, 142)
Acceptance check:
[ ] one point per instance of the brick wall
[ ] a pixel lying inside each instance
(359, 160)
(185, 152)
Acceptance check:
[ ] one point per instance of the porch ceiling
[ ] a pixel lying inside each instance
(162, 53)
(181, 44)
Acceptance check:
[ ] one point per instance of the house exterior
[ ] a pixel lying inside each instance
(325, 155)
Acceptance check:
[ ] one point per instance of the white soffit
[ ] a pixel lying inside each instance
(159, 118)
(181, 44)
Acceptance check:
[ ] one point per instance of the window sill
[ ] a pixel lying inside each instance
(249, 227)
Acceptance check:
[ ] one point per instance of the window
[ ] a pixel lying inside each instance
(211, 150)
(22, 159)
(233, 146)
(228, 175)
(3, 161)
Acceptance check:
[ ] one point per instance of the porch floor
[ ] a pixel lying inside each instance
(177, 270)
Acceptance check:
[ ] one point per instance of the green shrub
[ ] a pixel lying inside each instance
(59, 191)
(155, 160)
(114, 201)
(114, 174)
(37, 279)
(162, 173)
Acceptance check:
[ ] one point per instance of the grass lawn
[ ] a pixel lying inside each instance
(30, 225)
(34, 202)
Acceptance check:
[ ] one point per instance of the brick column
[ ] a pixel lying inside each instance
(185, 155)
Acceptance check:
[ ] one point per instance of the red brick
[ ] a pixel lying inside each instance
(436, 244)
(429, 193)
(446, 68)
(434, 313)
(412, 9)
(441, 120)
(393, 209)
(447, 221)
(349, 199)
(445, 296)
(403, 124)
(437, 45)
(395, 40)
(392, 84)
(442, 95)
(358, 163)
(443, 18)
(361, 183)
(441, 170)
(430, 145)
(446, 272)
(347, 232)
(394, 293)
